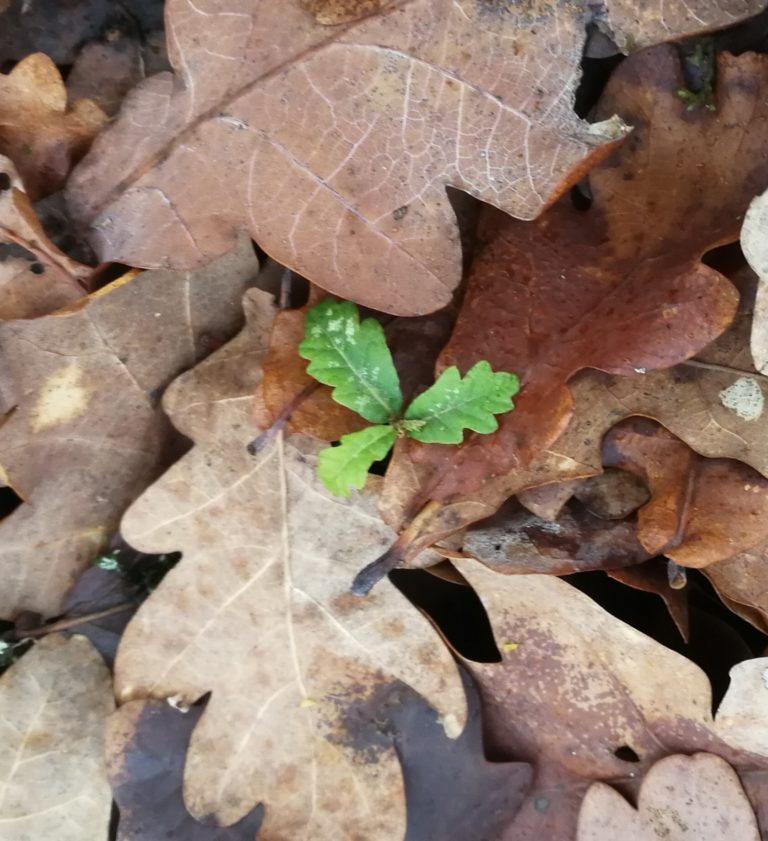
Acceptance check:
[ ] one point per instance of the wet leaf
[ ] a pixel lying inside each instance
(341, 175)
(586, 697)
(147, 745)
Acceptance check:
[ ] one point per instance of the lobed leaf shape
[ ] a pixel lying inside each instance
(575, 685)
(258, 613)
(40, 131)
(682, 798)
(86, 434)
(452, 404)
(346, 467)
(333, 146)
(644, 301)
(352, 356)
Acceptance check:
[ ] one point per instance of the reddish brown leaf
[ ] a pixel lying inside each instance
(694, 398)
(39, 131)
(286, 380)
(333, 146)
(701, 510)
(585, 697)
(644, 298)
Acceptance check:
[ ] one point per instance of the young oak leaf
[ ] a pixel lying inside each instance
(346, 466)
(352, 356)
(453, 404)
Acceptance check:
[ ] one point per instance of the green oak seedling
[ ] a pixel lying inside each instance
(352, 357)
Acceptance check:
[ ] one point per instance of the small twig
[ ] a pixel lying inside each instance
(72, 622)
(265, 437)
(676, 575)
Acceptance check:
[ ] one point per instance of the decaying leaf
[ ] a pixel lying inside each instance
(147, 745)
(35, 277)
(54, 704)
(517, 542)
(42, 134)
(333, 146)
(682, 798)
(585, 697)
(701, 510)
(645, 299)
(86, 434)
(664, 305)
(258, 613)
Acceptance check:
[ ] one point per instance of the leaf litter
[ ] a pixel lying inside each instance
(513, 692)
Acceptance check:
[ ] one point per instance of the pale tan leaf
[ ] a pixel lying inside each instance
(754, 244)
(54, 704)
(258, 612)
(683, 798)
(86, 433)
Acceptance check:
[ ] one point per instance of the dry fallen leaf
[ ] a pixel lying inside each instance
(585, 697)
(516, 542)
(258, 613)
(333, 146)
(682, 798)
(54, 705)
(86, 434)
(645, 300)
(39, 131)
(35, 277)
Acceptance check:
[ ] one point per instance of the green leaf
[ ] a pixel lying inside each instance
(454, 404)
(353, 357)
(346, 466)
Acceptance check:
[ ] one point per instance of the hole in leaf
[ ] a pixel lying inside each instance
(9, 501)
(5, 181)
(580, 196)
(626, 754)
(456, 609)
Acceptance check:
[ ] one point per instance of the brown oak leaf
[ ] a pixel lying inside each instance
(334, 145)
(35, 276)
(42, 134)
(711, 402)
(86, 434)
(585, 697)
(258, 613)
